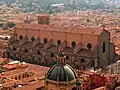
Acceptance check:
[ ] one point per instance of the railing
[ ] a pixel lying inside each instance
(62, 46)
(77, 48)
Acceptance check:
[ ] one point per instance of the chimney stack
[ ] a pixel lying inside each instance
(43, 19)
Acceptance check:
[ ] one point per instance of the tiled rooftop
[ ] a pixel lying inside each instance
(91, 31)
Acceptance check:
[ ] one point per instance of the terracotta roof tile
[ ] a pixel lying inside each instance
(92, 31)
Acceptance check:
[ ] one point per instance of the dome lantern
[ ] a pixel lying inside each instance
(61, 58)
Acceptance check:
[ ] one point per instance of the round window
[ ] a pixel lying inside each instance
(73, 44)
(45, 40)
(58, 42)
(89, 46)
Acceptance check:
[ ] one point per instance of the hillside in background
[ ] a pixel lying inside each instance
(38, 6)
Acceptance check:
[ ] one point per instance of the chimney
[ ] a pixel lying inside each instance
(43, 19)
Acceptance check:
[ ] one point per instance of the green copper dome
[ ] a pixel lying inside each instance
(61, 73)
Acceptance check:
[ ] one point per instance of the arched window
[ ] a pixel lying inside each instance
(82, 60)
(89, 46)
(32, 39)
(45, 40)
(21, 37)
(103, 47)
(58, 42)
(73, 44)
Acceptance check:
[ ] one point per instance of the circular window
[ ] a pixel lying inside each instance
(32, 39)
(82, 60)
(73, 44)
(21, 37)
(45, 40)
(89, 46)
(58, 42)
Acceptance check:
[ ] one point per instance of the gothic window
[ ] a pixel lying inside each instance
(45, 40)
(103, 47)
(58, 42)
(21, 37)
(32, 39)
(73, 44)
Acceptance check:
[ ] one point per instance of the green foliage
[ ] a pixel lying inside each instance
(1, 25)
(10, 24)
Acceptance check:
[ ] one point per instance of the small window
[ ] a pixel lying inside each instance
(58, 42)
(21, 37)
(103, 47)
(67, 57)
(14, 49)
(45, 40)
(89, 46)
(73, 44)
(32, 39)
(38, 52)
(82, 60)
(26, 50)
(6, 38)
(52, 55)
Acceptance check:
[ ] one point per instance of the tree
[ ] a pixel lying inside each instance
(11, 24)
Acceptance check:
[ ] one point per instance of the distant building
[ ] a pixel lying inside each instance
(58, 6)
